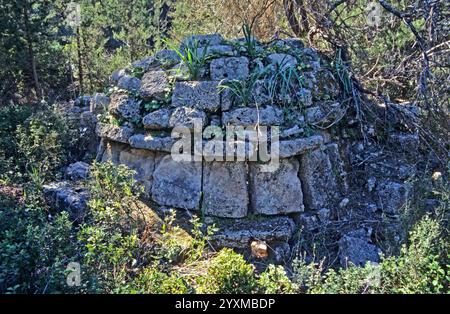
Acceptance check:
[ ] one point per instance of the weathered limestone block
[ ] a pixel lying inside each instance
(167, 57)
(319, 182)
(146, 63)
(143, 162)
(338, 166)
(289, 148)
(225, 189)
(129, 83)
(113, 132)
(202, 95)
(158, 119)
(99, 103)
(269, 115)
(154, 85)
(77, 171)
(112, 151)
(117, 75)
(282, 60)
(392, 196)
(177, 184)
(203, 40)
(123, 106)
(151, 142)
(239, 233)
(229, 68)
(219, 50)
(68, 197)
(278, 192)
(353, 250)
(324, 115)
(184, 116)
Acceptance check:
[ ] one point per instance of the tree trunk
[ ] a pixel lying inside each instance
(31, 56)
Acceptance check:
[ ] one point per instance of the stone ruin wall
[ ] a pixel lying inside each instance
(312, 185)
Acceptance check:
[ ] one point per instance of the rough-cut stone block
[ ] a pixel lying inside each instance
(217, 50)
(146, 63)
(405, 143)
(141, 161)
(118, 74)
(229, 68)
(113, 132)
(154, 85)
(202, 95)
(269, 115)
(157, 120)
(177, 184)
(338, 166)
(238, 233)
(225, 189)
(167, 57)
(357, 251)
(123, 106)
(392, 196)
(202, 40)
(77, 171)
(324, 115)
(184, 116)
(282, 60)
(299, 146)
(68, 197)
(318, 180)
(99, 103)
(129, 83)
(150, 142)
(278, 192)
(112, 151)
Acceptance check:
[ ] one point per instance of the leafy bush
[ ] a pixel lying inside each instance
(111, 236)
(152, 280)
(34, 249)
(227, 272)
(275, 280)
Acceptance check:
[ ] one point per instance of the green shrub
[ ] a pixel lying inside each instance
(152, 280)
(227, 272)
(34, 250)
(275, 280)
(111, 235)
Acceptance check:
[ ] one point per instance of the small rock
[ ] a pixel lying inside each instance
(157, 120)
(259, 249)
(114, 133)
(154, 85)
(150, 142)
(123, 106)
(167, 58)
(289, 148)
(344, 202)
(282, 60)
(78, 171)
(186, 116)
(229, 68)
(357, 251)
(129, 83)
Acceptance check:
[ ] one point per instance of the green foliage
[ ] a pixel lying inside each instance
(227, 272)
(275, 281)
(249, 41)
(152, 280)
(111, 237)
(34, 249)
(193, 57)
